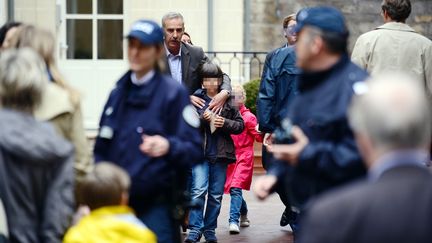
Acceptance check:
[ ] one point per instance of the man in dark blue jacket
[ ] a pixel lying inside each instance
(323, 154)
(277, 89)
(288, 25)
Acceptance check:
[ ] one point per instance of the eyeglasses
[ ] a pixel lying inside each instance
(289, 30)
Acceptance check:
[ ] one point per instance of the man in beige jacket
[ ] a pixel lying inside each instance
(395, 46)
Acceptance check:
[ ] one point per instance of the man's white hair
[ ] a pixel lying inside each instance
(393, 112)
(172, 15)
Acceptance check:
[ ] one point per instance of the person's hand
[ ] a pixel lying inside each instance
(154, 146)
(268, 139)
(219, 121)
(207, 116)
(290, 152)
(263, 186)
(257, 129)
(197, 101)
(218, 101)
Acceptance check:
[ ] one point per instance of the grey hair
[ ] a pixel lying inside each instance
(394, 113)
(172, 15)
(22, 79)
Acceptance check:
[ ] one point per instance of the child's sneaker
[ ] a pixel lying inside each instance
(244, 221)
(210, 236)
(234, 228)
(193, 237)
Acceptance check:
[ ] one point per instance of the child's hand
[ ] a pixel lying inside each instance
(207, 116)
(219, 121)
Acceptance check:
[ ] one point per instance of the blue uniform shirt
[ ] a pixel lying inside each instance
(161, 107)
(320, 110)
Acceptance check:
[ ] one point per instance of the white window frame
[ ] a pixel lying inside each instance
(94, 78)
(94, 17)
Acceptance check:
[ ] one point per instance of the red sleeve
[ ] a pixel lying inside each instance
(251, 122)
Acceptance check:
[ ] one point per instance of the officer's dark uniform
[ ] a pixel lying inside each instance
(159, 107)
(278, 88)
(331, 158)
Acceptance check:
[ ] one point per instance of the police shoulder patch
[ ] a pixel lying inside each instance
(360, 88)
(106, 132)
(191, 116)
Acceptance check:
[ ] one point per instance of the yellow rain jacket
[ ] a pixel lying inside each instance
(110, 224)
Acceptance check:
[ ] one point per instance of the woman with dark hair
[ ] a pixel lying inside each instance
(186, 38)
(6, 33)
(150, 129)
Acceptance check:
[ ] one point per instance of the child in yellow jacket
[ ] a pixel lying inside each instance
(105, 192)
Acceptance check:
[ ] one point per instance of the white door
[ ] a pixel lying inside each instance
(92, 51)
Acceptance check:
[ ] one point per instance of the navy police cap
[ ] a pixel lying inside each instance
(325, 18)
(147, 32)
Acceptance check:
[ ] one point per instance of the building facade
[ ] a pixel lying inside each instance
(91, 50)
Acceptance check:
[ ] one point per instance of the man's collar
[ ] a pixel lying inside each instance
(398, 158)
(396, 26)
(168, 53)
(144, 79)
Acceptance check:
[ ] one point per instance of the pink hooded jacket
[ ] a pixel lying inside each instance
(239, 175)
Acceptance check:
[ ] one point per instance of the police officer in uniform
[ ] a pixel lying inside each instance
(149, 128)
(322, 154)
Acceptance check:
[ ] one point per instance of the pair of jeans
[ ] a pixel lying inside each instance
(158, 219)
(208, 178)
(238, 205)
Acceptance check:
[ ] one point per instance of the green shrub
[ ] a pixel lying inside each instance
(252, 88)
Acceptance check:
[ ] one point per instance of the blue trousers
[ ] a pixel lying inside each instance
(158, 218)
(207, 178)
(238, 205)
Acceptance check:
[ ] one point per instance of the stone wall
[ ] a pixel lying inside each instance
(362, 16)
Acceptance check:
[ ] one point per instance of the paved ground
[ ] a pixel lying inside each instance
(264, 216)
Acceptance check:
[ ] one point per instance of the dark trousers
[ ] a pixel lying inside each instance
(282, 186)
(159, 219)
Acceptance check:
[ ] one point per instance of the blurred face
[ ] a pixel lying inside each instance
(173, 31)
(8, 37)
(289, 32)
(238, 98)
(304, 49)
(212, 84)
(186, 39)
(142, 58)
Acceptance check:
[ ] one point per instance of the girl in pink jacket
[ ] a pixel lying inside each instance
(239, 175)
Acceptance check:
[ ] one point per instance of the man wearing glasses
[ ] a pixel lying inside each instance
(277, 89)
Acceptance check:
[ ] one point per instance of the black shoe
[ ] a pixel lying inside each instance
(285, 218)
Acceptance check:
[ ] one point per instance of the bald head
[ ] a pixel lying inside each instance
(392, 114)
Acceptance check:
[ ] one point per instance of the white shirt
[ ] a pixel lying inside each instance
(144, 79)
(174, 62)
